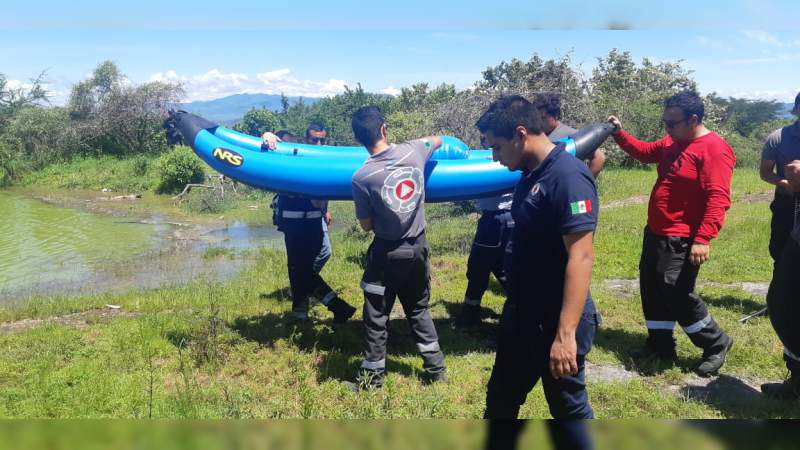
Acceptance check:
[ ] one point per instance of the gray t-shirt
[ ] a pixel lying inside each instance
(783, 147)
(390, 189)
(561, 131)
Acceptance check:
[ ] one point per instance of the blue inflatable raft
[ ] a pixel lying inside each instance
(324, 172)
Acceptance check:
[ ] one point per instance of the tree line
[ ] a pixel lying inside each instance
(107, 115)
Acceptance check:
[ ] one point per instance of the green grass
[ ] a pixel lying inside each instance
(96, 173)
(218, 252)
(206, 350)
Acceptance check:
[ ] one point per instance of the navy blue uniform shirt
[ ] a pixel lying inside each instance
(557, 198)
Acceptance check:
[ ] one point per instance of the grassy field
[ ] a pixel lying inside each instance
(208, 350)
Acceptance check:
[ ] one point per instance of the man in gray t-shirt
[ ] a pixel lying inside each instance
(782, 303)
(389, 189)
(389, 195)
(781, 147)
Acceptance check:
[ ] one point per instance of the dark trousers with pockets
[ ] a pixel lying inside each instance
(303, 239)
(487, 253)
(781, 224)
(667, 280)
(398, 269)
(522, 359)
(783, 302)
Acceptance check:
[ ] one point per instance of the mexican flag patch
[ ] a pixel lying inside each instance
(581, 207)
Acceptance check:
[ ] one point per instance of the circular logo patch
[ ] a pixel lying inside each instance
(402, 189)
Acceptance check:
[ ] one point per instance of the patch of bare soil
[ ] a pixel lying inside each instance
(77, 320)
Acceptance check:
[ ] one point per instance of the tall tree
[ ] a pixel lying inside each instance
(15, 98)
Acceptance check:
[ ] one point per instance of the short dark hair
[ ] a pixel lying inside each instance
(506, 113)
(550, 103)
(689, 102)
(367, 122)
(314, 126)
(287, 136)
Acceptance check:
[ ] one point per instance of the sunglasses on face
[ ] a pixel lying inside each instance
(672, 123)
(316, 140)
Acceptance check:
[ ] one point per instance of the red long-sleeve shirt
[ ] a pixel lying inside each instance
(693, 189)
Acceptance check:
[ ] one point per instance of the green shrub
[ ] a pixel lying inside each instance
(42, 136)
(747, 149)
(9, 165)
(177, 168)
(140, 165)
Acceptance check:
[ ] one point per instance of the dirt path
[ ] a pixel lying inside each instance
(79, 320)
(627, 288)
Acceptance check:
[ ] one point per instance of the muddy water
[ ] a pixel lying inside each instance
(51, 250)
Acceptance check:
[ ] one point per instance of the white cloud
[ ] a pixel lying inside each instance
(215, 84)
(273, 76)
(770, 39)
(784, 96)
(391, 90)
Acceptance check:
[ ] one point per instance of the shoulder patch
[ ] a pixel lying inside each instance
(581, 207)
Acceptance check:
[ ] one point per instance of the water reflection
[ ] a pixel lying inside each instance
(50, 250)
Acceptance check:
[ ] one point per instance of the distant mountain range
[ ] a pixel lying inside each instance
(786, 110)
(229, 110)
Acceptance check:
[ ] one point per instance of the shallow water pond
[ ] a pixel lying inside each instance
(51, 250)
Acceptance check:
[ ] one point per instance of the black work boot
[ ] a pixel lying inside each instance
(788, 390)
(660, 344)
(470, 316)
(298, 316)
(433, 377)
(366, 380)
(341, 310)
(714, 357)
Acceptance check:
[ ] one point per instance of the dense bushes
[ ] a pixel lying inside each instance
(619, 85)
(177, 168)
(105, 115)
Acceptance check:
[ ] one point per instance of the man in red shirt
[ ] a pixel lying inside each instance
(686, 211)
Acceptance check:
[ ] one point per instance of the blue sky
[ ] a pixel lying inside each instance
(315, 48)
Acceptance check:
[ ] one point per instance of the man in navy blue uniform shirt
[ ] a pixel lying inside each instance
(549, 320)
